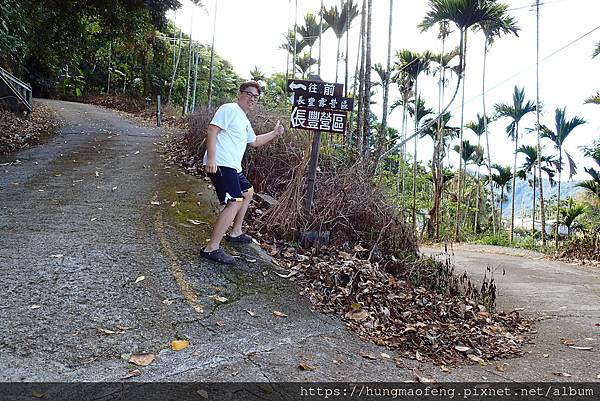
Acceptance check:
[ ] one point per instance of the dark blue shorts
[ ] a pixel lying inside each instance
(229, 184)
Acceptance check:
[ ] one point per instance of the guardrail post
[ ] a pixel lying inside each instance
(158, 110)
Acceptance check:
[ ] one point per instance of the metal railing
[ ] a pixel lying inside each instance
(20, 89)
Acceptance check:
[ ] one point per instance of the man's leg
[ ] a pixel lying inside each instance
(222, 224)
(239, 217)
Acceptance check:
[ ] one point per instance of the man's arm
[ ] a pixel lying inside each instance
(268, 137)
(211, 148)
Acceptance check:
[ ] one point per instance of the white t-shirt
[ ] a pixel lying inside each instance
(235, 135)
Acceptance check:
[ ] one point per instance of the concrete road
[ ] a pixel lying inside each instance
(565, 298)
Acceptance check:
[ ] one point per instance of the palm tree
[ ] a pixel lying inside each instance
(593, 185)
(479, 129)
(570, 213)
(257, 75)
(304, 63)
(311, 30)
(492, 30)
(464, 14)
(516, 111)
(339, 21)
(563, 129)
(529, 167)
(385, 79)
(293, 43)
(414, 68)
(502, 181)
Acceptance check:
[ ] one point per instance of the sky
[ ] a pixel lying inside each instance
(249, 33)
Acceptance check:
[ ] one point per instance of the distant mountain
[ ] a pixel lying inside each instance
(524, 196)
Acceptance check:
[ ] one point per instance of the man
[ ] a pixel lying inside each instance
(228, 134)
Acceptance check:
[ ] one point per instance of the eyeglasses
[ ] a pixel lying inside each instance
(251, 95)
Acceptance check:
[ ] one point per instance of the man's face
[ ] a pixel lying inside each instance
(248, 97)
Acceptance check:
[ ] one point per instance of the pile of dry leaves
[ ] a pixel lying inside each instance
(18, 131)
(584, 250)
(384, 308)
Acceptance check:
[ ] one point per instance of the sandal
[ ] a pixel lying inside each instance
(240, 239)
(219, 255)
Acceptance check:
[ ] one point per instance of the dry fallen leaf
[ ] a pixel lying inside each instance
(305, 366)
(358, 316)
(566, 341)
(142, 359)
(359, 248)
(132, 373)
(561, 374)
(154, 202)
(196, 222)
(461, 348)
(279, 314)
(444, 369)
(105, 331)
(37, 394)
(220, 323)
(180, 192)
(251, 312)
(477, 359)
(386, 356)
(140, 278)
(58, 255)
(167, 301)
(178, 345)
(421, 378)
(203, 394)
(546, 355)
(500, 368)
(35, 306)
(220, 299)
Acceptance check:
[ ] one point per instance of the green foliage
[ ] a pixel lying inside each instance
(14, 28)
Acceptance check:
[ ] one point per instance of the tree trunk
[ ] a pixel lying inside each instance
(212, 57)
(361, 106)
(487, 142)
(514, 177)
(558, 196)
(463, 45)
(537, 113)
(414, 172)
(386, 89)
(533, 212)
(367, 91)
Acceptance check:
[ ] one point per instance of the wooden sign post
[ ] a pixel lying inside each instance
(317, 106)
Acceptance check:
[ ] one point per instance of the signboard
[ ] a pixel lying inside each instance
(315, 87)
(311, 100)
(318, 119)
(319, 106)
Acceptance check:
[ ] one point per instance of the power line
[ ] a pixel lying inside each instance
(531, 65)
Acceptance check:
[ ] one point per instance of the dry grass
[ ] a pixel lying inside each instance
(347, 204)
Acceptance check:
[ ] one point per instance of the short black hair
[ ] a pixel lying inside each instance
(245, 85)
